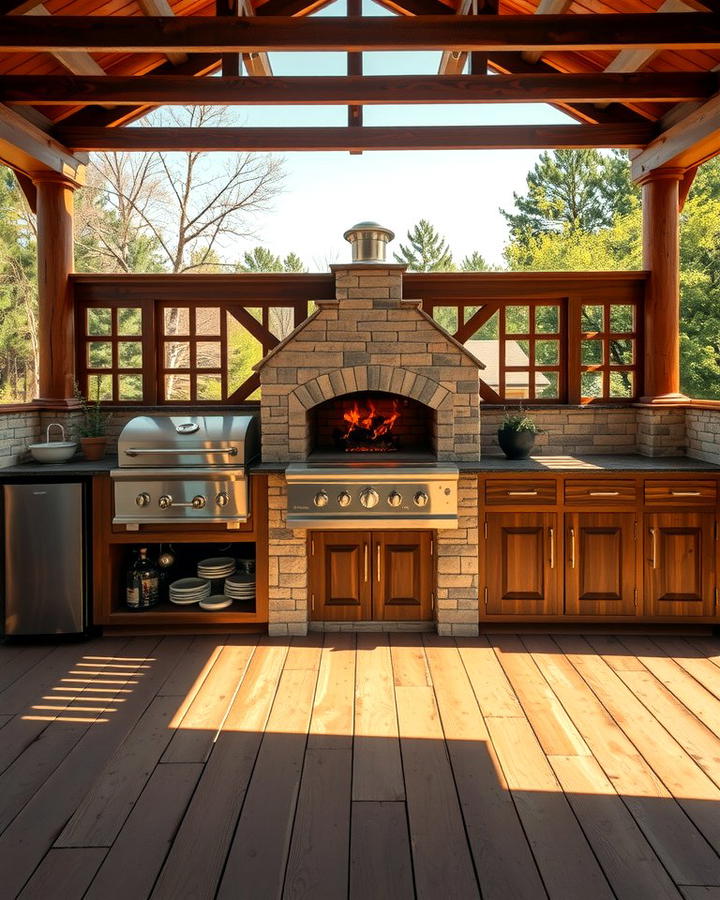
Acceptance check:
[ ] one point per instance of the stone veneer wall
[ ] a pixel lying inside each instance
(703, 434)
(457, 594)
(17, 430)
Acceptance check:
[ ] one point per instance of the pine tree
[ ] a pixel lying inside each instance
(428, 251)
(474, 262)
(260, 259)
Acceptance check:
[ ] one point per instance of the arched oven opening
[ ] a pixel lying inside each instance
(371, 425)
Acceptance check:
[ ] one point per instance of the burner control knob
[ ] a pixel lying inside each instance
(394, 499)
(420, 499)
(198, 502)
(222, 498)
(143, 499)
(320, 499)
(369, 498)
(344, 498)
(165, 502)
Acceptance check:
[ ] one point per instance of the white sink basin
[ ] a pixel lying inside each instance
(53, 451)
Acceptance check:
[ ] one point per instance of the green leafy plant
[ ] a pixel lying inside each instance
(94, 420)
(519, 420)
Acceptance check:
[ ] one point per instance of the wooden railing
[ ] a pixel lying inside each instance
(173, 339)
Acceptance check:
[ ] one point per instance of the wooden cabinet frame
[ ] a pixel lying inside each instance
(612, 507)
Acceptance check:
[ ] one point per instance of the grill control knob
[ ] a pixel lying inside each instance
(222, 498)
(165, 502)
(420, 499)
(344, 498)
(320, 499)
(394, 499)
(198, 502)
(369, 498)
(143, 499)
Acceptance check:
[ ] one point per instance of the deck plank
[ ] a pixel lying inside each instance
(626, 858)
(546, 815)
(258, 853)
(374, 870)
(377, 768)
(133, 862)
(503, 859)
(440, 852)
(195, 729)
(494, 693)
(695, 663)
(63, 874)
(195, 862)
(553, 727)
(681, 775)
(408, 661)
(318, 859)
(680, 846)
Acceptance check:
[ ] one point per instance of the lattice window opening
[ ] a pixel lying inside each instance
(608, 352)
(111, 353)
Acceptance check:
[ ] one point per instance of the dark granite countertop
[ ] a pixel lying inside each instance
(488, 464)
(549, 464)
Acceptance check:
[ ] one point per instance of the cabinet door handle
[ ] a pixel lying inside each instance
(378, 562)
(572, 548)
(604, 493)
(522, 493)
(366, 564)
(685, 493)
(653, 535)
(552, 548)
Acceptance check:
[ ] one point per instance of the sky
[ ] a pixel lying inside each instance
(458, 191)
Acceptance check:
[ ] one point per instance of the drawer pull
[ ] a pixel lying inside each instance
(552, 548)
(366, 562)
(653, 534)
(572, 548)
(604, 493)
(685, 493)
(522, 493)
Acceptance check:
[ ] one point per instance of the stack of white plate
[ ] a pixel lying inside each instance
(216, 602)
(240, 587)
(189, 590)
(216, 567)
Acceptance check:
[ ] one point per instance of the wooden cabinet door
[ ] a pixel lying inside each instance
(679, 564)
(600, 564)
(402, 575)
(522, 563)
(340, 575)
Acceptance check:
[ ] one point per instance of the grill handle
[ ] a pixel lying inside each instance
(179, 451)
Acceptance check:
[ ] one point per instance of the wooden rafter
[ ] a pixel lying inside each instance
(686, 144)
(161, 8)
(374, 138)
(27, 148)
(79, 62)
(546, 8)
(485, 33)
(661, 87)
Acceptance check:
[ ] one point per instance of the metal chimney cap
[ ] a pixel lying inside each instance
(369, 242)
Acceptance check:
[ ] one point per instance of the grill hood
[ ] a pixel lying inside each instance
(189, 441)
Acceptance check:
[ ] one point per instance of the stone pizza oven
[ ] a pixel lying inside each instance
(367, 346)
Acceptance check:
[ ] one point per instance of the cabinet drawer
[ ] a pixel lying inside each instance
(680, 493)
(505, 492)
(597, 493)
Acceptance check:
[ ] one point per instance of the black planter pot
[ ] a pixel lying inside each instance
(516, 444)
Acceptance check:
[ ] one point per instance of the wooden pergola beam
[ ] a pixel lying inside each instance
(370, 138)
(660, 31)
(661, 87)
(686, 144)
(30, 150)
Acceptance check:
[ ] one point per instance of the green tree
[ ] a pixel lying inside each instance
(575, 190)
(427, 251)
(260, 259)
(474, 262)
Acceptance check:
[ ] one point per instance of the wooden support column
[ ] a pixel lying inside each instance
(55, 306)
(661, 256)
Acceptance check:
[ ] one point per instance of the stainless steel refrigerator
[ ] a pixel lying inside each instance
(45, 559)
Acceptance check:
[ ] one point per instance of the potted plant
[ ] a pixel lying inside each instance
(516, 434)
(93, 425)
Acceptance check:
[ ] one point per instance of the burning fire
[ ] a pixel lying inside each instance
(368, 428)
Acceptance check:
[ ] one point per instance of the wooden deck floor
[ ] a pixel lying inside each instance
(370, 767)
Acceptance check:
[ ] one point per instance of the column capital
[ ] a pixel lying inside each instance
(667, 173)
(48, 177)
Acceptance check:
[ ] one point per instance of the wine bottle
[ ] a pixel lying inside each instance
(143, 583)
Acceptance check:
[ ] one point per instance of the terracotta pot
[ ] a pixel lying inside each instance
(93, 447)
(516, 444)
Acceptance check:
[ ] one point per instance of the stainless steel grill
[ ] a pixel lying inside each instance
(379, 496)
(184, 469)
